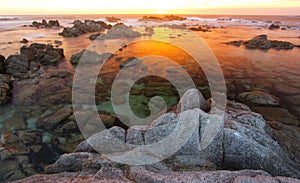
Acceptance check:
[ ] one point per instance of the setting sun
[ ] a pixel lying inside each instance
(160, 12)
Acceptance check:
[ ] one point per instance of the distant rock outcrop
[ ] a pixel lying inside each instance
(113, 19)
(45, 24)
(87, 26)
(165, 18)
(262, 42)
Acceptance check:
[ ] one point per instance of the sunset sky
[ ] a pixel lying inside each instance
(153, 6)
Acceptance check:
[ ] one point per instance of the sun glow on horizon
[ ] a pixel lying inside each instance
(134, 6)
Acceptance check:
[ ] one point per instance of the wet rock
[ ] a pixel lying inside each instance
(16, 64)
(38, 46)
(35, 81)
(112, 19)
(201, 28)
(119, 31)
(262, 42)
(237, 105)
(130, 62)
(5, 88)
(51, 58)
(288, 137)
(11, 146)
(236, 43)
(57, 43)
(277, 114)
(54, 119)
(87, 26)
(286, 89)
(60, 74)
(258, 98)
(24, 40)
(89, 57)
(16, 122)
(149, 31)
(274, 26)
(67, 143)
(45, 24)
(9, 171)
(69, 162)
(29, 52)
(94, 36)
(2, 59)
(30, 136)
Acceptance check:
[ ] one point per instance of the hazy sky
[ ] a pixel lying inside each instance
(149, 6)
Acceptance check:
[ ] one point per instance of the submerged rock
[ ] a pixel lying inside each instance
(288, 137)
(89, 57)
(258, 98)
(130, 62)
(52, 120)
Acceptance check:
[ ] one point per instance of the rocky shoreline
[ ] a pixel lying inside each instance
(252, 146)
(245, 143)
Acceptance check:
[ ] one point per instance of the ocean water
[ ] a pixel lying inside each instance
(289, 22)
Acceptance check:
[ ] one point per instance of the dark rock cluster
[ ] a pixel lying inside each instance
(274, 27)
(262, 42)
(87, 26)
(165, 18)
(25, 65)
(45, 24)
(204, 28)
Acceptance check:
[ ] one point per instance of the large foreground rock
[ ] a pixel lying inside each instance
(242, 144)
